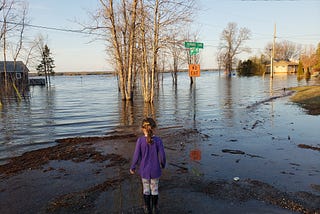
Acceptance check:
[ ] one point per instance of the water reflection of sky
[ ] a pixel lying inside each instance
(216, 105)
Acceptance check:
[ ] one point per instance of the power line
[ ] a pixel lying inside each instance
(53, 28)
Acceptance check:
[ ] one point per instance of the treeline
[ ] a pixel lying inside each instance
(308, 59)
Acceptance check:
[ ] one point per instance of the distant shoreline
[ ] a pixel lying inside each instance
(83, 73)
(78, 73)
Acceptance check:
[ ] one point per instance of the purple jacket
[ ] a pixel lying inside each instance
(150, 156)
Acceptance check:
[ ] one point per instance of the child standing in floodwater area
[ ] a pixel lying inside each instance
(150, 155)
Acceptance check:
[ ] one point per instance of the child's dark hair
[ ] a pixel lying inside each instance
(149, 124)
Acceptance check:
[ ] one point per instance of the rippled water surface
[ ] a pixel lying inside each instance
(90, 105)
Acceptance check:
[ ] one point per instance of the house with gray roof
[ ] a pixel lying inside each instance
(15, 71)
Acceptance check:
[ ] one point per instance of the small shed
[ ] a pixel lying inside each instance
(284, 66)
(16, 72)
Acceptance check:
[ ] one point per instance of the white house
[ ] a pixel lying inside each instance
(284, 67)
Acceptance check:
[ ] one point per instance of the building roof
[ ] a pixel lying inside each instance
(284, 63)
(19, 66)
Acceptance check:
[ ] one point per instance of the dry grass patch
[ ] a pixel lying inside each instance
(308, 97)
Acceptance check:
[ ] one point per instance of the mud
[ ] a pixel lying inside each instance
(304, 146)
(90, 175)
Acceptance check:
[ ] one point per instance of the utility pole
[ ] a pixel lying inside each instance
(273, 47)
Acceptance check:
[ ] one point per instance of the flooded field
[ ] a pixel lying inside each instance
(90, 106)
(216, 132)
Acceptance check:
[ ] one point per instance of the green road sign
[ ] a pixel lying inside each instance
(193, 44)
(194, 51)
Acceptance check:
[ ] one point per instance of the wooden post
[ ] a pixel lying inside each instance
(273, 47)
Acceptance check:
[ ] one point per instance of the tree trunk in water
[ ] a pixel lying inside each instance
(145, 76)
(131, 50)
(116, 46)
(5, 59)
(155, 48)
(175, 69)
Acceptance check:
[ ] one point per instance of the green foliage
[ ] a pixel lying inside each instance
(245, 68)
(300, 68)
(46, 65)
(253, 66)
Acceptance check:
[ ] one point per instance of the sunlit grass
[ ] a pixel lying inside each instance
(308, 97)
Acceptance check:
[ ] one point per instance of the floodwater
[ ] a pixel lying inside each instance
(252, 115)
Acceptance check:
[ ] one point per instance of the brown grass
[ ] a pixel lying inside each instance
(308, 97)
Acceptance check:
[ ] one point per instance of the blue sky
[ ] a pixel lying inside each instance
(297, 21)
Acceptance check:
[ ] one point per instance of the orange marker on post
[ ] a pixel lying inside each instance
(194, 70)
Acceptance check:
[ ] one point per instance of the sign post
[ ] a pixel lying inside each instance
(194, 68)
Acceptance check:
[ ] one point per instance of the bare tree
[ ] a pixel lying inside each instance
(170, 18)
(19, 43)
(177, 52)
(155, 47)
(6, 10)
(30, 55)
(145, 71)
(231, 44)
(221, 60)
(14, 15)
(284, 50)
(136, 31)
(121, 27)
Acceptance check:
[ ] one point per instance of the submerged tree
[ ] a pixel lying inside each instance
(300, 69)
(252, 66)
(13, 20)
(46, 64)
(231, 44)
(136, 32)
(309, 60)
(317, 65)
(161, 31)
(120, 22)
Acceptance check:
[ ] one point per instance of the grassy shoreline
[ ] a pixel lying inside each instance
(308, 97)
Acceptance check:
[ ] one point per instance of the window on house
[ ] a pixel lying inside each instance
(18, 76)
